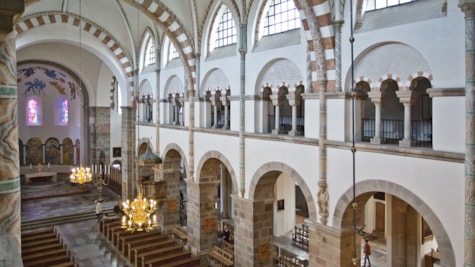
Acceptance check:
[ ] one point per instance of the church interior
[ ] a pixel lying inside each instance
(237, 133)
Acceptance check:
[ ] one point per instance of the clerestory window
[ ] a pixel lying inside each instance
(281, 16)
(379, 4)
(226, 32)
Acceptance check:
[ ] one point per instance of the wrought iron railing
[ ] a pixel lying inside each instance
(393, 130)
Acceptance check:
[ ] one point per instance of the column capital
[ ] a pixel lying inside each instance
(337, 24)
(468, 7)
(375, 97)
(405, 97)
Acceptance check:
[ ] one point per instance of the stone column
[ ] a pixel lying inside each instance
(10, 232)
(202, 215)
(396, 242)
(293, 102)
(376, 99)
(170, 214)
(276, 102)
(253, 232)
(157, 100)
(128, 152)
(468, 7)
(215, 102)
(225, 102)
(181, 104)
(337, 26)
(405, 97)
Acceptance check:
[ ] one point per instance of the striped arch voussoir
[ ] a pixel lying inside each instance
(168, 22)
(323, 65)
(106, 38)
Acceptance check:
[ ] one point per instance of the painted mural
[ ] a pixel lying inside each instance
(34, 151)
(52, 151)
(39, 79)
(68, 151)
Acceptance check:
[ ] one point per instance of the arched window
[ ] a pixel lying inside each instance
(61, 111)
(148, 51)
(224, 31)
(172, 52)
(34, 111)
(379, 4)
(281, 16)
(150, 57)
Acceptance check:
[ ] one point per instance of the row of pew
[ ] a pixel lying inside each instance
(45, 248)
(222, 255)
(149, 249)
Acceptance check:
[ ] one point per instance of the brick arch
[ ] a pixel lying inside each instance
(279, 167)
(218, 156)
(318, 27)
(368, 186)
(42, 19)
(175, 147)
(177, 34)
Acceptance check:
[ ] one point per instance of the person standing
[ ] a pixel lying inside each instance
(98, 210)
(367, 253)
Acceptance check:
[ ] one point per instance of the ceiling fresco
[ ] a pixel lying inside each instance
(43, 81)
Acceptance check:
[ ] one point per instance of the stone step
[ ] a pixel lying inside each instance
(52, 221)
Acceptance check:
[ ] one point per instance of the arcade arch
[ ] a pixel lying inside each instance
(404, 213)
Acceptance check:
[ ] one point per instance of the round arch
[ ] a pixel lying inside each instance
(175, 147)
(283, 168)
(217, 155)
(344, 203)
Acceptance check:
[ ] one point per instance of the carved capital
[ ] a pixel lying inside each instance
(468, 7)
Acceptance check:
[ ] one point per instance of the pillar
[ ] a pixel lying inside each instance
(376, 99)
(202, 215)
(276, 102)
(225, 102)
(128, 152)
(405, 97)
(253, 232)
(294, 101)
(10, 232)
(170, 214)
(396, 240)
(468, 7)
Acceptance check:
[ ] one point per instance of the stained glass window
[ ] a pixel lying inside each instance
(33, 112)
(64, 112)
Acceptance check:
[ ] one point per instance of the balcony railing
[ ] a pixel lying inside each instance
(393, 130)
(285, 124)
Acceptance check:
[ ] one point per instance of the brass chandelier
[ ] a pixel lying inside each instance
(81, 175)
(138, 214)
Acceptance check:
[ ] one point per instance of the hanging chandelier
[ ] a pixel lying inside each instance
(139, 214)
(81, 175)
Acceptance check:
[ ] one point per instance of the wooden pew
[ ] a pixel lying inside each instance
(103, 224)
(37, 249)
(143, 259)
(179, 234)
(48, 261)
(135, 252)
(221, 256)
(144, 241)
(188, 262)
(45, 254)
(168, 258)
(44, 248)
(37, 236)
(111, 230)
(122, 238)
(51, 240)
